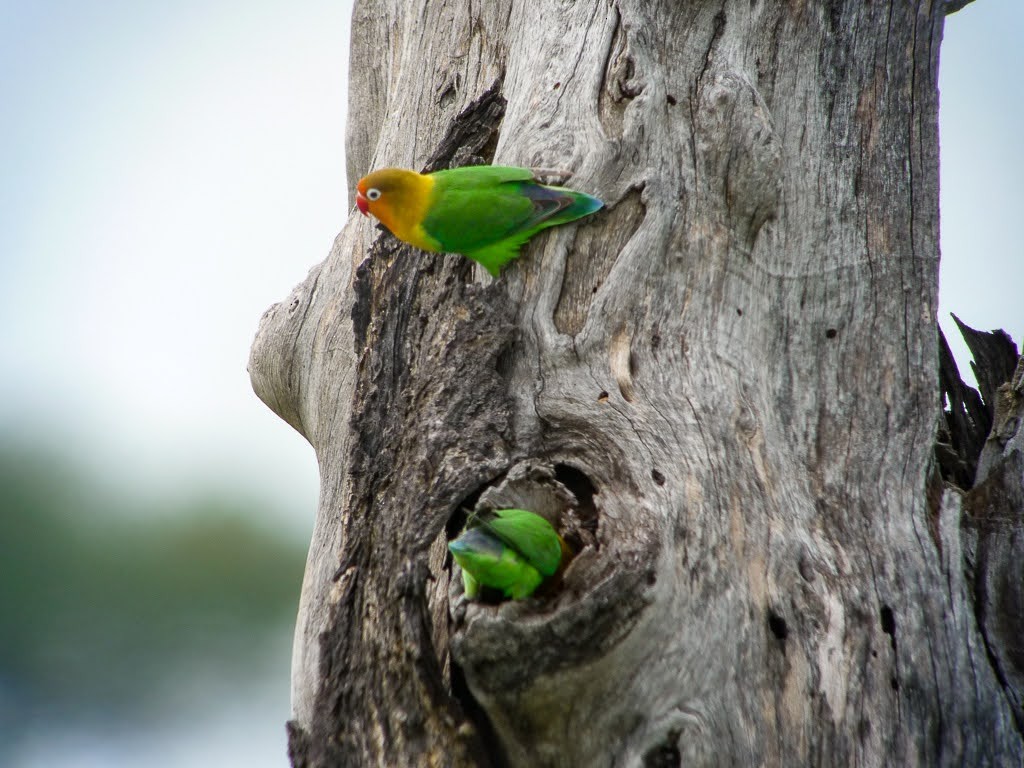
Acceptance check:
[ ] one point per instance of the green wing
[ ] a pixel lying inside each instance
(530, 535)
(488, 212)
(465, 218)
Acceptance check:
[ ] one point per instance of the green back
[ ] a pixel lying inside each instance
(476, 176)
(488, 212)
(530, 535)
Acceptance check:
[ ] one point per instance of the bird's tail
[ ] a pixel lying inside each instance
(571, 205)
(583, 205)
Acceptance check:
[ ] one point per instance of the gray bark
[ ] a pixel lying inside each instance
(729, 378)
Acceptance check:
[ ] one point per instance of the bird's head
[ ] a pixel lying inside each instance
(385, 190)
(476, 548)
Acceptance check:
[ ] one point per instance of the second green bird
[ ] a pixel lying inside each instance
(485, 212)
(512, 551)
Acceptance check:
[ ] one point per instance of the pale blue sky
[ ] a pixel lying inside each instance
(981, 83)
(170, 170)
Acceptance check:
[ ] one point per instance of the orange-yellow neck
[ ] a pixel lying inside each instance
(405, 206)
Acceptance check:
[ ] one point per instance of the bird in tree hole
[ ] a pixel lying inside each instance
(509, 550)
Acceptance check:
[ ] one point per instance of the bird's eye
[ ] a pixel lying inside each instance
(373, 194)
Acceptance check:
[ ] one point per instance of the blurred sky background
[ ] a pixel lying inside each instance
(168, 172)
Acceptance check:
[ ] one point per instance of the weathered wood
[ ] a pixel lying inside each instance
(993, 514)
(1007, 434)
(995, 358)
(994, 542)
(732, 370)
(965, 424)
(969, 420)
(952, 6)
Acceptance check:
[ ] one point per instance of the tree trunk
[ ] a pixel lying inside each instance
(730, 376)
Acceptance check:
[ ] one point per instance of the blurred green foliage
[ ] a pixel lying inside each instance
(104, 603)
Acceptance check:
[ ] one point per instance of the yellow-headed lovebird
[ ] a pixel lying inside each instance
(512, 550)
(485, 212)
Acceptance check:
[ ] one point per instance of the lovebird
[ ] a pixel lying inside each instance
(485, 212)
(513, 551)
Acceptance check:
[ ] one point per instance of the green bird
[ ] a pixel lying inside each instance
(485, 212)
(512, 551)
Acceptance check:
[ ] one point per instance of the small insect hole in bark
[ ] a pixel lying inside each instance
(831, 333)
(657, 477)
(664, 754)
(777, 625)
(603, 397)
(888, 619)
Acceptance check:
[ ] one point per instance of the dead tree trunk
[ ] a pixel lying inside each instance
(730, 375)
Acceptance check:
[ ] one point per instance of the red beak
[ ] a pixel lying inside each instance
(362, 204)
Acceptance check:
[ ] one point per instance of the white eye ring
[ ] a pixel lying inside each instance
(373, 194)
